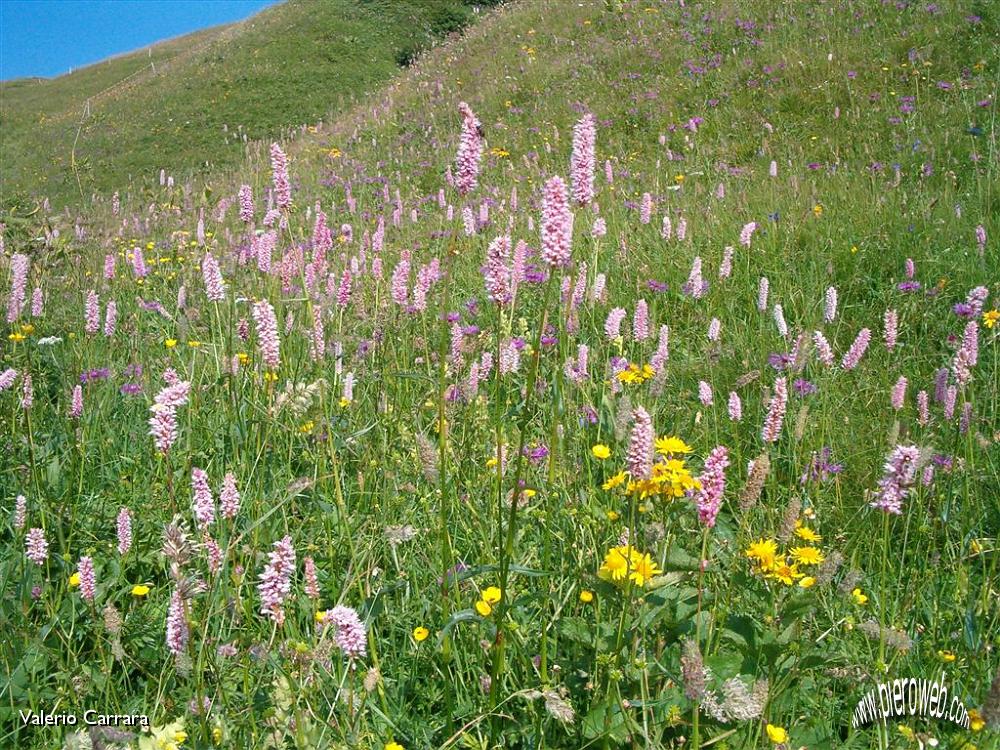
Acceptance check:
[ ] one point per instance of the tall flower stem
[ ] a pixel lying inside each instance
(506, 551)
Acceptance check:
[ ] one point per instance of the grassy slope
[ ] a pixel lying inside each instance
(288, 65)
(528, 73)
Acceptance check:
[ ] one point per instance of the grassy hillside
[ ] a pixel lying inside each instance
(706, 483)
(185, 105)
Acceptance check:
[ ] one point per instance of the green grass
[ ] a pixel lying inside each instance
(864, 182)
(185, 105)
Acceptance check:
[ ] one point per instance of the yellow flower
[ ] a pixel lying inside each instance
(623, 564)
(976, 721)
(946, 656)
(344, 402)
(667, 446)
(194, 344)
(807, 555)
(806, 582)
(782, 571)
(319, 616)
(420, 634)
(307, 427)
(586, 596)
(679, 179)
(763, 552)
(859, 598)
(492, 595)
(393, 746)
(16, 337)
(807, 534)
(170, 343)
(27, 329)
(991, 317)
(270, 377)
(483, 608)
(776, 734)
(613, 515)
(614, 481)
(817, 210)
(74, 580)
(140, 590)
(601, 451)
(243, 357)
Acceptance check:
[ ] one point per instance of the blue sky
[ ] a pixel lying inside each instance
(49, 37)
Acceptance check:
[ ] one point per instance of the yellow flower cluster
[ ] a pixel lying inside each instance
(670, 477)
(490, 597)
(623, 564)
(634, 374)
(784, 567)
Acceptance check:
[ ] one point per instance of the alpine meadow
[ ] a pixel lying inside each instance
(555, 374)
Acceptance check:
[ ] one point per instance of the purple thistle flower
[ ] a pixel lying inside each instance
(36, 548)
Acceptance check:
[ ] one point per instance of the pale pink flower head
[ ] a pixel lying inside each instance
(267, 333)
(776, 412)
(582, 161)
(123, 529)
(88, 579)
(557, 224)
(470, 151)
(279, 174)
(229, 498)
(640, 449)
(36, 548)
(348, 630)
